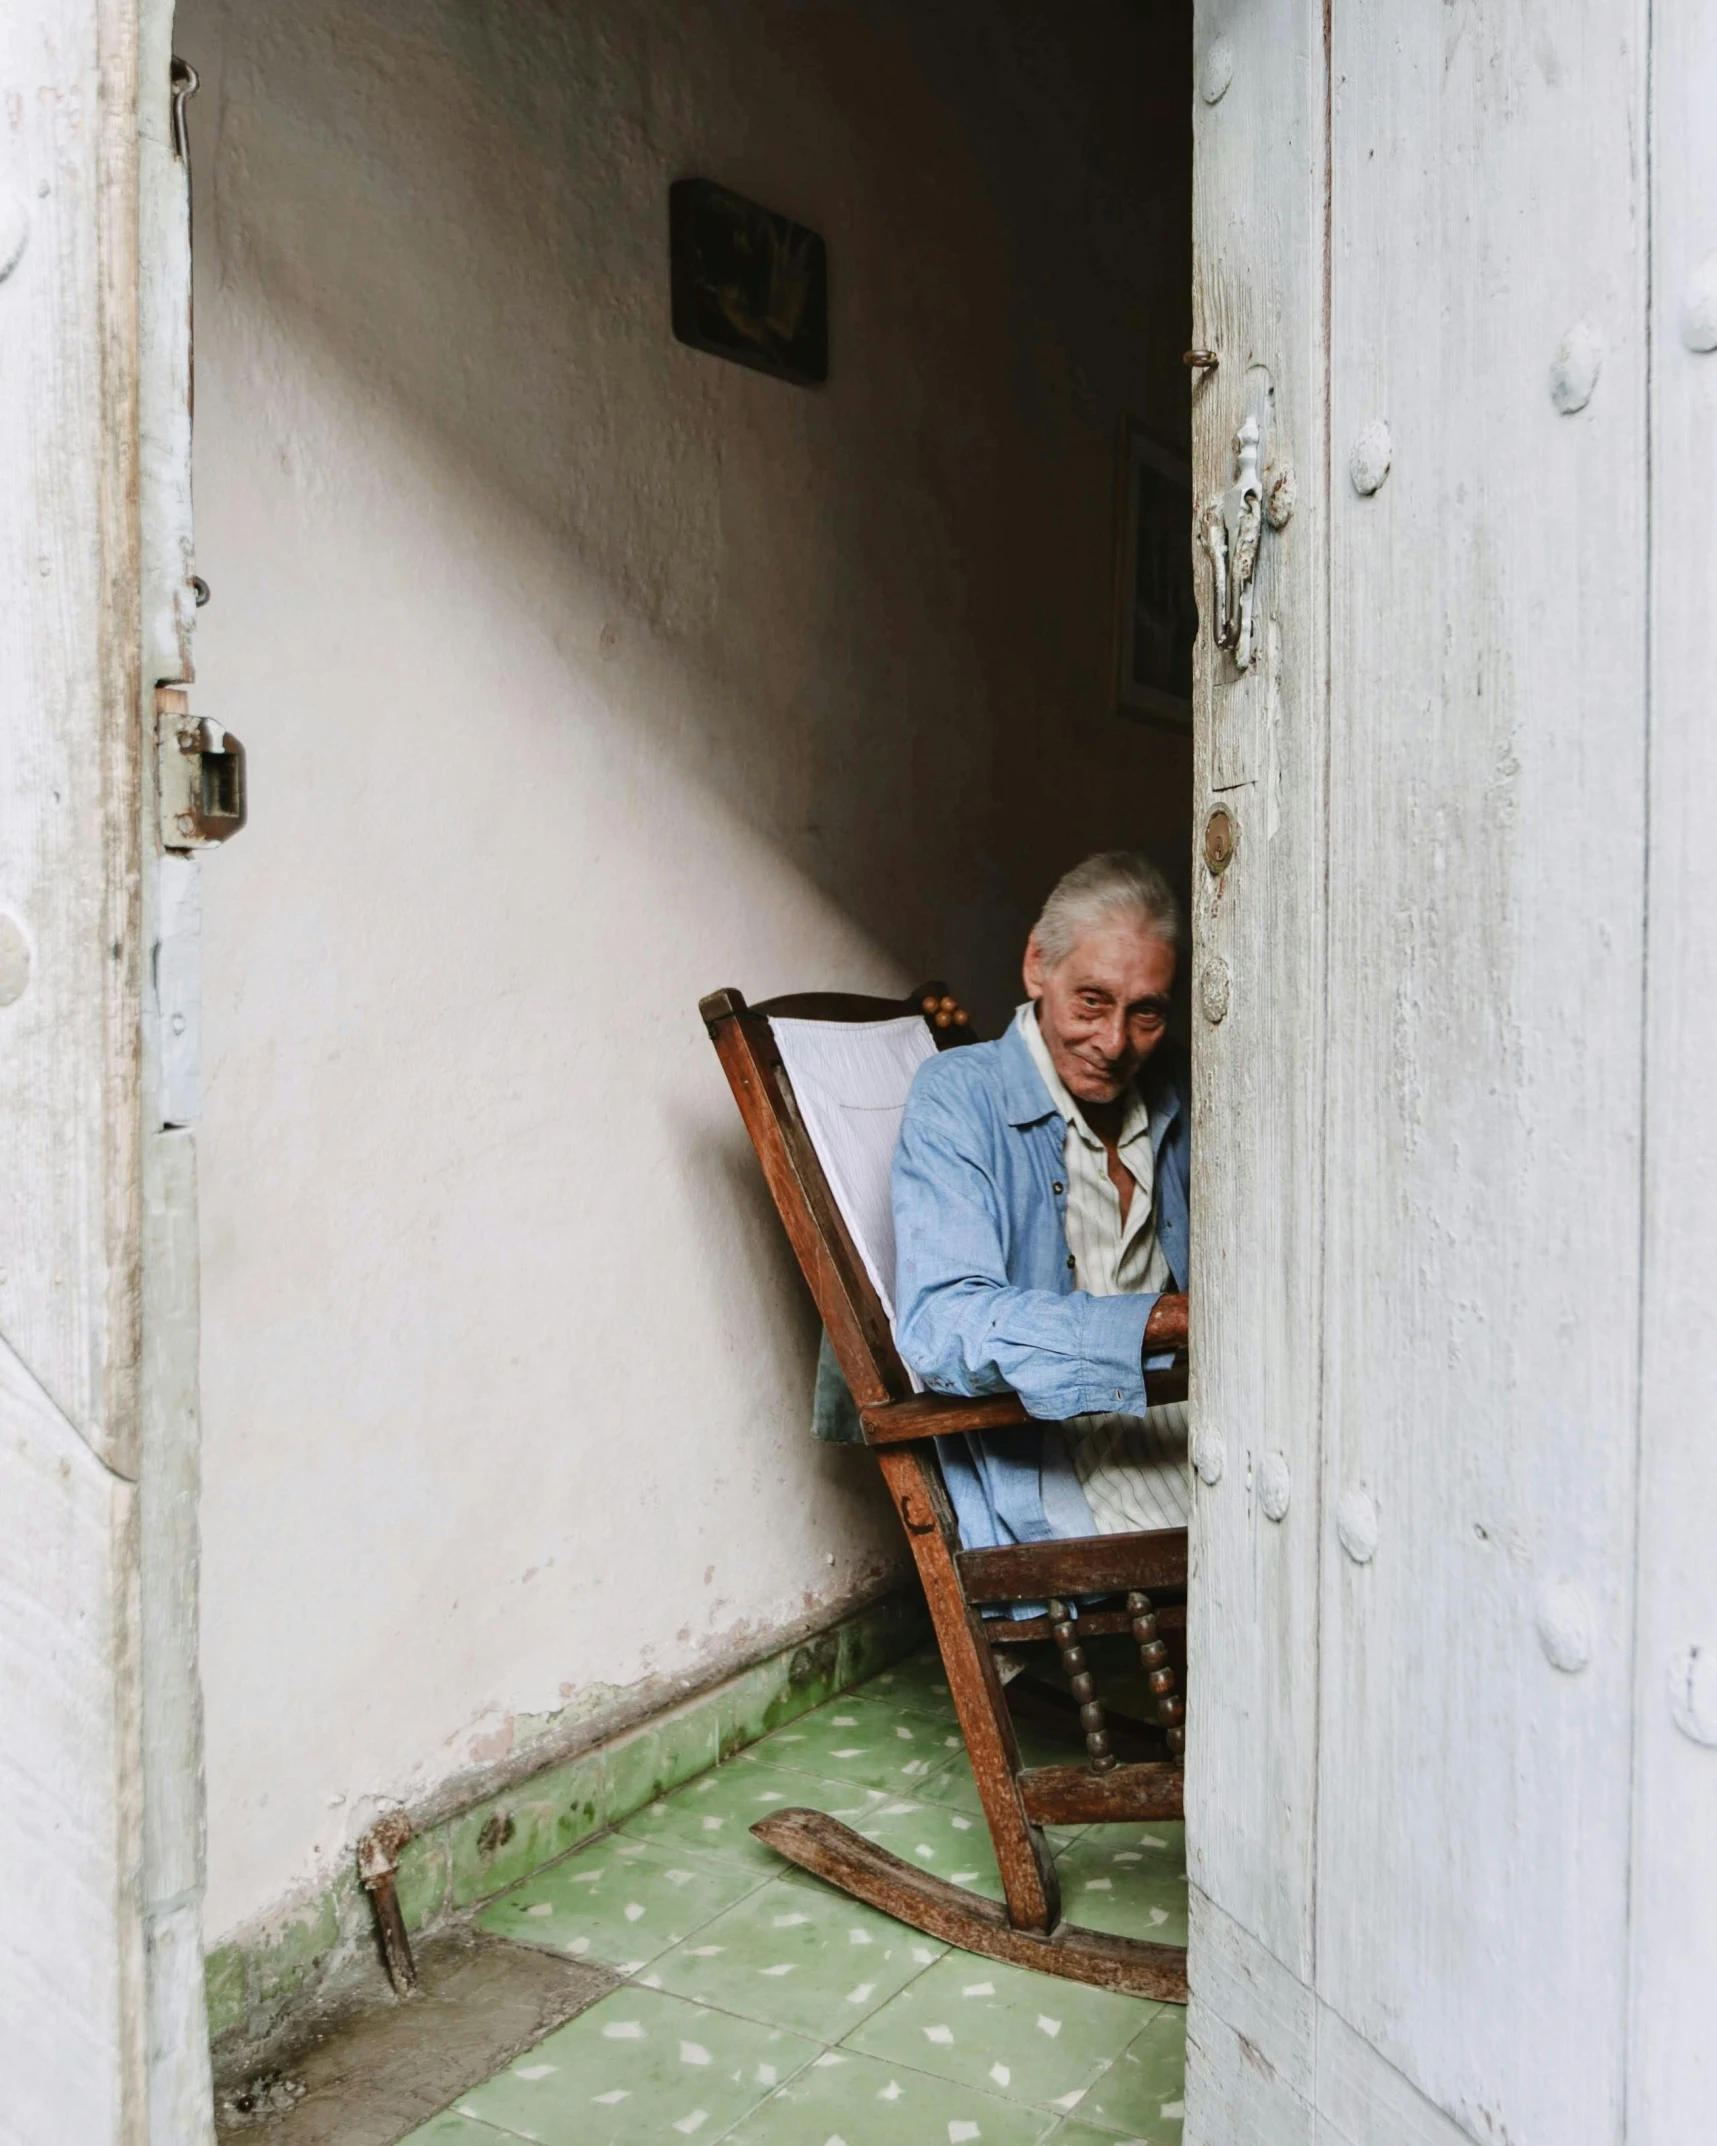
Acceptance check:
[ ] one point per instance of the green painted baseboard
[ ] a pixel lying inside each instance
(457, 1860)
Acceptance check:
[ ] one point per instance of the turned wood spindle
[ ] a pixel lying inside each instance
(1083, 1687)
(1154, 1659)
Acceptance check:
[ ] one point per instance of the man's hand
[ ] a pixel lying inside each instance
(1165, 1329)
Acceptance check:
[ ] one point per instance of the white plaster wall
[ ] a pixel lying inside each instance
(581, 673)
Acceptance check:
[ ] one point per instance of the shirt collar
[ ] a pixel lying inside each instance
(1025, 1099)
(1136, 1120)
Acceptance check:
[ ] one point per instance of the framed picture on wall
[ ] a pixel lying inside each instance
(1156, 608)
(747, 284)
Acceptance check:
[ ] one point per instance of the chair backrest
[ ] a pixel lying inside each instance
(821, 1081)
(851, 1080)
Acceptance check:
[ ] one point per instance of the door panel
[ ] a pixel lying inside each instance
(1258, 990)
(1483, 1051)
(1672, 2071)
(71, 1940)
(180, 2091)
(71, 1965)
(1419, 991)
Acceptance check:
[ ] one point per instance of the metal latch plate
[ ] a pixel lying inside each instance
(201, 775)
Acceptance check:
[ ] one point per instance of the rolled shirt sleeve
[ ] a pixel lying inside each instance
(961, 1325)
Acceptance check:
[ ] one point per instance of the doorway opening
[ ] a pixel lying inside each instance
(578, 667)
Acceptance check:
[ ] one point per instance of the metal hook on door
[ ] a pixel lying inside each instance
(184, 81)
(1229, 529)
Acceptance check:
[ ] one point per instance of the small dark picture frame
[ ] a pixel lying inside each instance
(747, 284)
(1156, 605)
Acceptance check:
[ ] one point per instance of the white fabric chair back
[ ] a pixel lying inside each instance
(851, 1079)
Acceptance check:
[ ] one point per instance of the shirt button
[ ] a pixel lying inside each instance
(1058, 1188)
(1071, 1261)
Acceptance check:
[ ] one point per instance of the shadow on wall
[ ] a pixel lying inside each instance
(874, 618)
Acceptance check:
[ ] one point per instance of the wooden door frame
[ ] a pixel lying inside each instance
(1260, 105)
(179, 2082)
(103, 2031)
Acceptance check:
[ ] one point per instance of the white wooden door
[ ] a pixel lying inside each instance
(1453, 1769)
(102, 2026)
(1258, 1144)
(71, 1942)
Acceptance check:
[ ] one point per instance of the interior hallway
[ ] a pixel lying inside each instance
(648, 672)
(758, 2007)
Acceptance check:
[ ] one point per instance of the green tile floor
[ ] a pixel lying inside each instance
(762, 2008)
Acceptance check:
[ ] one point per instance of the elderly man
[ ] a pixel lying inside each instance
(1040, 1206)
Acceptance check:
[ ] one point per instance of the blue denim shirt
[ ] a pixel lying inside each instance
(984, 1289)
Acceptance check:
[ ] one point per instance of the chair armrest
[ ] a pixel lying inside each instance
(929, 1415)
(1162, 1387)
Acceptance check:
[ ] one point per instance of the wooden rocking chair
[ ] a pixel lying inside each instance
(958, 1584)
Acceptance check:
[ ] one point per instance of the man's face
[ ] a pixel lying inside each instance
(1102, 1010)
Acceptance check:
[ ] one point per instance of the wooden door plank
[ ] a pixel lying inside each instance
(71, 2012)
(1672, 2070)
(1258, 928)
(1482, 1215)
(69, 774)
(180, 2091)
(1281, 2065)
(1362, 2100)
(1251, 2038)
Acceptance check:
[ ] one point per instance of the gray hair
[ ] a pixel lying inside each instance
(1116, 881)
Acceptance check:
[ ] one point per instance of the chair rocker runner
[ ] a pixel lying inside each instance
(820, 1079)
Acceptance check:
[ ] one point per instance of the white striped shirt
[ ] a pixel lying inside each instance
(1132, 1468)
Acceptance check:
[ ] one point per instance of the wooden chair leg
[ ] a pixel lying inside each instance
(1027, 1868)
(1154, 1656)
(1083, 1686)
